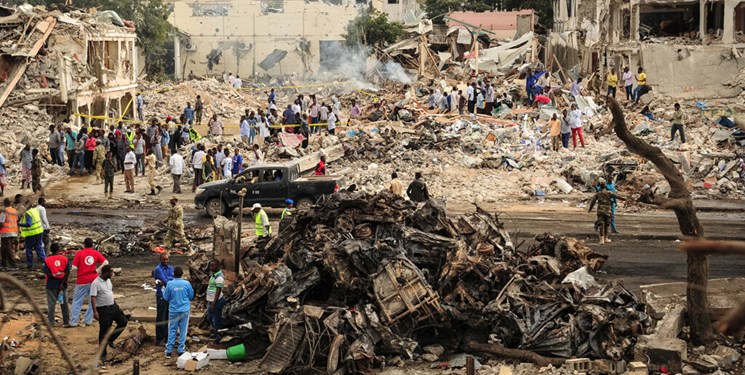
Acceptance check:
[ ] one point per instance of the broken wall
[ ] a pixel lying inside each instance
(692, 71)
(245, 32)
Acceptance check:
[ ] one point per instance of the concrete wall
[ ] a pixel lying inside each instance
(694, 72)
(246, 35)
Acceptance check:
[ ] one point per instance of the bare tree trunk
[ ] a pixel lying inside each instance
(679, 200)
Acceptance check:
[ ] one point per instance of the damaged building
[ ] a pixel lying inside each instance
(688, 48)
(269, 37)
(75, 64)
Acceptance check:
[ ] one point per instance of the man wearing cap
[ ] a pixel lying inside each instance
(175, 224)
(286, 213)
(263, 229)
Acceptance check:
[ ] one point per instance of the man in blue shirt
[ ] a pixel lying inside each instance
(163, 274)
(179, 294)
(189, 113)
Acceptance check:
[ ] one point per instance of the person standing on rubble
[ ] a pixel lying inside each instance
(87, 262)
(245, 130)
(678, 124)
(612, 80)
(603, 199)
(163, 274)
(140, 107)
(575, 119)
(33, 234)
(554, 127)
(130, 161)
(216, 126)
(55, 140)
(57, 270)
(332, 122)
(397, 188)
(36, 172)
(105, 309)
(417, 190)
(27, 158)
(198, 109)
(227, 165)
(179, 294)
(489, 98)
(261, 221)
(471, 93)
(215, 299)
(480, 105)
(3, 175)
(175, 225)
(189, 114)
(70, 137)
(576, 89)
(641, 81)
(8, 235)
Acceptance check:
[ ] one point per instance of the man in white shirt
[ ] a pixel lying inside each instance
(231, 79)
(257, 157)
(575, 119)
(332, 123)
(227, 165)
(130, 160)
(245, 130)
(237, 82)
(44, 221)
(197, 162)
(177, 169)
(216, 126)
(471, 96)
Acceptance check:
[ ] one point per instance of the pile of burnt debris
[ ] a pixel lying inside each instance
(361, 278)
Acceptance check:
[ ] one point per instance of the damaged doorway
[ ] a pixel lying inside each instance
(669, 20)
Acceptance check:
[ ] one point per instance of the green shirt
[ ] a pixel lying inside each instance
(217, 280)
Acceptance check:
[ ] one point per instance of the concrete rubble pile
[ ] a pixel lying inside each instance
(361, 280)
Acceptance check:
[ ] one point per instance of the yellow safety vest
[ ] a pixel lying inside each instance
(285, 212)
(130, 137)
(260, 232)
(35, 226)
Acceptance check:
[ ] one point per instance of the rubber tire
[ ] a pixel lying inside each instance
(304, 203)
(212, 208)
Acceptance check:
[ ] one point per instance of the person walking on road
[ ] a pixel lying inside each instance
(163, 274)
(575, 121)
(129, 170)
(151, 164)
(87, 263)
(36, 171)
(417, 190)
(215, 300)
(109, 169)
(27, 158)
(105, 310)
(197, 162)
(57, 270)
(603, 199)
(175, 225)
(179, 294)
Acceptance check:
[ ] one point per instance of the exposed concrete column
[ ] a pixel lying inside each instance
(635, 19)
(135, 60)
(728, 35)
(701, 20)
(177, 56)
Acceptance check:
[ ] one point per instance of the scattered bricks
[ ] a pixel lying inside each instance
(668, 353)
(617, 367)
(671, 324)
(581, 365)
(637, 368)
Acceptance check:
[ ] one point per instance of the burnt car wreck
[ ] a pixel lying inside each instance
(359, 279)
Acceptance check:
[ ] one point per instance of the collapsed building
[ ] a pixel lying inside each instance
(689, 48)
(75, 65)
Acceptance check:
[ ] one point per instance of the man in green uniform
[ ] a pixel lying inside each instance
(175, 223)
(36, 172)
(604, 200)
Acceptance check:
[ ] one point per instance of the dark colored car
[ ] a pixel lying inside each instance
(268, 184)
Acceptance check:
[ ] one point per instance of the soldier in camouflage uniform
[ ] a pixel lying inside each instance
(175, 224)
(604, 200)
(36, 172)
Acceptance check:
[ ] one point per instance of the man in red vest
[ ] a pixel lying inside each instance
(8, 235)
(57, 269)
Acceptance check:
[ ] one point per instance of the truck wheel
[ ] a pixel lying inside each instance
(215, 207)
(304, 203)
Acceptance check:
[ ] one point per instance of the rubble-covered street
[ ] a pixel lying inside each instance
(479, 194)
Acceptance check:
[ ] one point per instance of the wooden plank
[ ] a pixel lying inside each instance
(46, 28)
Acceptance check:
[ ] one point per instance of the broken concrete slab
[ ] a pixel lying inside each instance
(672, 323)
(724, 294)
(668, 353)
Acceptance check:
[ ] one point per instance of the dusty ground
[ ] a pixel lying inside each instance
(643, 253)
